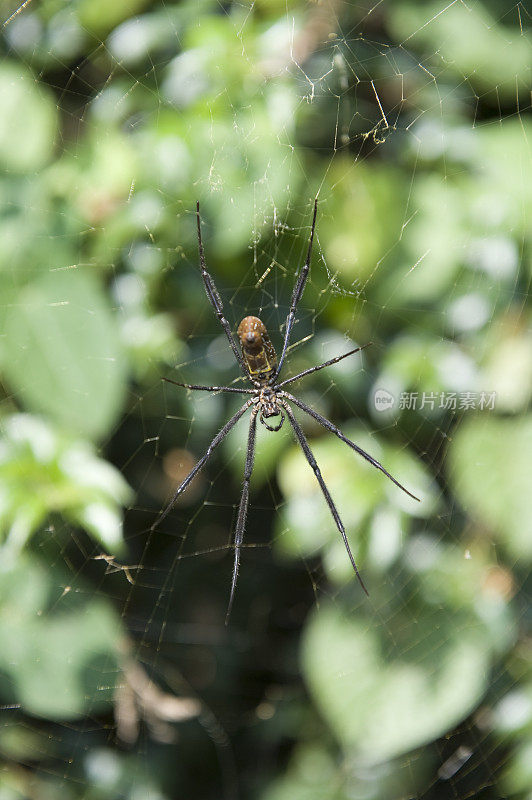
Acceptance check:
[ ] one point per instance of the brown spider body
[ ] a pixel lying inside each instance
(258, 351)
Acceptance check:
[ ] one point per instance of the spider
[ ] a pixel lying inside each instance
(269, 401)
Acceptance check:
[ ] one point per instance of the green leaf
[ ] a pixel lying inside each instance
(99, 16)
(382, 701)
(489, 468)
(27, 122)
(42, 473)
(64, 355)
(60, 662)
(367, 197)
(311, 775)
(468, 40)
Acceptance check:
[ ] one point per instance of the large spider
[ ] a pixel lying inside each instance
(258, 361)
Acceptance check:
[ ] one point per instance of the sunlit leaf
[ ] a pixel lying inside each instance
(27, 122)
(489, 467)
(63, 352)
(381, 705)
(60, 656)
(43, 472)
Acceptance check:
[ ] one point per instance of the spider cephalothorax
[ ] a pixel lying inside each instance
(258, 362)
(269, 406)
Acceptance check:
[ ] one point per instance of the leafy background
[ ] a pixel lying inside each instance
(117, 677)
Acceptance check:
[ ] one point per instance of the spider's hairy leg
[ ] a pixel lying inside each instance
(243, 507)
(215, 442)
(321, 366)
(215, 299)
(312, 461)
(296, 295)
(333, 429)
(195, 386)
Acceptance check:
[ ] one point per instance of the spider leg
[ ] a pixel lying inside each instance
(333, 429)
(321, 366)
(296, 296)
(312, 461)
(210, 388)
(243, 507)
(215, 442)
(215, 299)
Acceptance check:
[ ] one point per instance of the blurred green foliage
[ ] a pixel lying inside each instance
(44, 472)
(54, 661)
(410, 123)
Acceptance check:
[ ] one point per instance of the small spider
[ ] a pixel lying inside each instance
(269, 401)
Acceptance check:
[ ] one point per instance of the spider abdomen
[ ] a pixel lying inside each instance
(257, 349)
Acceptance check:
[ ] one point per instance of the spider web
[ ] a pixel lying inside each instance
(410, 123)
